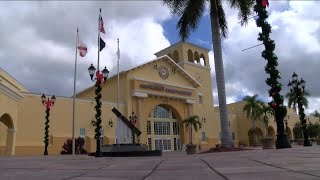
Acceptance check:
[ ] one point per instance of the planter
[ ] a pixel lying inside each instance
(300, 141)
(191, 149)
(267, 143)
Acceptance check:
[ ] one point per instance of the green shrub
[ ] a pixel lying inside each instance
(67, 147)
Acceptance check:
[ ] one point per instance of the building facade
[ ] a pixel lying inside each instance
(162, 93)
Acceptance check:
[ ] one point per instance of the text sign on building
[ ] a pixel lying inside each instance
(159, 87)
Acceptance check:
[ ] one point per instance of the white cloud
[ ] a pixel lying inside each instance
(296, 31)
(39, 39)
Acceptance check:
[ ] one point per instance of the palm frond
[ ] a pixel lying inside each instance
(244, 7)
(176, 6)
(190, 18)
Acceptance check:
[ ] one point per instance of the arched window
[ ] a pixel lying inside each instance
(175, 56)
(170, 55)
(190, 56)
(196, 57)
(202, 60)
(161, 112)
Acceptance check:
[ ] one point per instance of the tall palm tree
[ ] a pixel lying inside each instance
(192, 122)
(190, 12)
(252, 109)
(293, 99)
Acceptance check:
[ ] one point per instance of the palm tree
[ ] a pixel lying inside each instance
(192, 122)
(293, 99)
(252, 109)
(264, 111)
(316, 114)
(190, 12)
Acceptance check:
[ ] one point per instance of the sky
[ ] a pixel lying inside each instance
(38, 43)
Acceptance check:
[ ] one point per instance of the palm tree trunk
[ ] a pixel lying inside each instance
(226, 138)
(190, 134)
(254, 132)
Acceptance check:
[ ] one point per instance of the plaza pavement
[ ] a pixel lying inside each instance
(298, 163)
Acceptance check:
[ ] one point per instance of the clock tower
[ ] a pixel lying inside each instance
(195, 61)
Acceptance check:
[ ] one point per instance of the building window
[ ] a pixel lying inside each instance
(82, 132)
(175, 128)
(233, 136)
(162, 128)
(161, 112)
(149, 144)
(200, 99)
(148, 127)
(203, 136)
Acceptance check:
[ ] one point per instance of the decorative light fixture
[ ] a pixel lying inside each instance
(297, 87)
(99, 79)
(47, 103)
(133, 118)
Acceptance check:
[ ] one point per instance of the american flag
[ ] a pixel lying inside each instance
(101, 28)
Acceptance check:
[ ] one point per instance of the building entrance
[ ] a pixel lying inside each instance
(163, 129)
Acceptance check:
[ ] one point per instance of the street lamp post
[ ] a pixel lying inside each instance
(297, 87)
(286, 122)
(100, 78)
(47, 103)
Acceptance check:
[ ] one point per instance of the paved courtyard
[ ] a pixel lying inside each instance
(296, 163)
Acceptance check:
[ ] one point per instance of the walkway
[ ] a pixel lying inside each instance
(295, 164)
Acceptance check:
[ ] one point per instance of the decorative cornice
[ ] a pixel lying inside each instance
(157, 82)
(163, 95)
(10, 93)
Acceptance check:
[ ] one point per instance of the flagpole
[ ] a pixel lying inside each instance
(118, 89)
(118, 85)
(74, 94)
(99, 39)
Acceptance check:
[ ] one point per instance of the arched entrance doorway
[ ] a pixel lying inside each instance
(255, 136)
(164, 129)
(9, 134)
(271, 132)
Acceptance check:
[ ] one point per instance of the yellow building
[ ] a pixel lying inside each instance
(161, 92)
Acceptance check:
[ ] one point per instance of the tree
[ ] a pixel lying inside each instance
(190, 12)
(293, 99)
(316, 114)
(297, 131)
(264, 111)
(252, 109)
(192, 122)
(314, 130)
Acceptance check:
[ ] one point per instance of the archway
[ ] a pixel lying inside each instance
(10, 136)
(202, 60)
(164, 128)
(255, 136)
(196, 57)
(271, 132)
(289, 133)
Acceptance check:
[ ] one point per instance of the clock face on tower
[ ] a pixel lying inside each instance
(163, 72)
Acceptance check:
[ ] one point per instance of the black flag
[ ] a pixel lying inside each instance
(102, 44)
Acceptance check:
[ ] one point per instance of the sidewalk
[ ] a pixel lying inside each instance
(298, 163)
